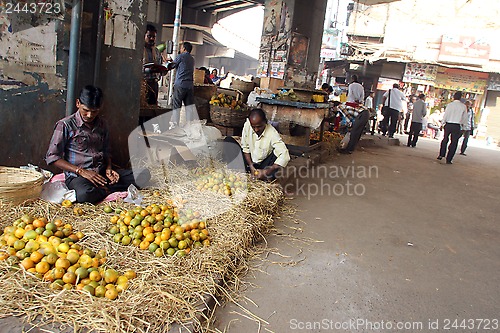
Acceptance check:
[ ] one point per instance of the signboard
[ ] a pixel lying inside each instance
(464, 50)
(420, 74)
(386, 84)
(461, 80)
(328, 53)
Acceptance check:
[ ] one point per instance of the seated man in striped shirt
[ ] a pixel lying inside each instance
(80, 147)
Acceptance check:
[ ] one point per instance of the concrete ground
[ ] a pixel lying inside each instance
(416, 249)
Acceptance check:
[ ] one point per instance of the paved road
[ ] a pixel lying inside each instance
(420, 247)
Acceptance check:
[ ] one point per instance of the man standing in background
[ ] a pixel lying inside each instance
(455, 117)
(150, 58)
(373, 113)
(356, 92)
(183, 84)
(468, 129)
(418, 114)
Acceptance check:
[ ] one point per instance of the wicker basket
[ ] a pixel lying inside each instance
(18, 185)
(228, 117)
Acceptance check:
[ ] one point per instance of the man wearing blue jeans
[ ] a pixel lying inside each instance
(183, 84)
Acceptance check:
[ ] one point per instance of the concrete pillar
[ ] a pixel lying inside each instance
(291, 41)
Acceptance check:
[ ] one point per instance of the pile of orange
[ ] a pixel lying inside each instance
(49, 250)
(219, 182)
(161, 229)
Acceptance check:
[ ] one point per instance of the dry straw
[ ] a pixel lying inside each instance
(167, 290)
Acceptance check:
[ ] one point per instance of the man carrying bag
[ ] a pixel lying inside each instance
(393, 105)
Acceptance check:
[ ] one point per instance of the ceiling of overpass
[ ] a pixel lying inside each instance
(218, 5)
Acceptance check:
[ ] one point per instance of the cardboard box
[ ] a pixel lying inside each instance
(271, 83)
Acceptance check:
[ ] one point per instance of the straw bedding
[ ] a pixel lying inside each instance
(167, 290)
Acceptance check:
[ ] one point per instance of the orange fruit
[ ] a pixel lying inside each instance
(58, 273)
(69, 278)
(95, 276)
(110, 276)
(38, 223)
(100, 291)
(63, 263)
(42, 267)
(111, 294)
(36, 257)
(130, 274)
(27, 263)
(51, 258)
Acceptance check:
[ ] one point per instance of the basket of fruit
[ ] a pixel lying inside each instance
(18, 185)
(227, 110)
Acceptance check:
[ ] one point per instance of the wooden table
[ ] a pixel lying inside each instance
(290, 114)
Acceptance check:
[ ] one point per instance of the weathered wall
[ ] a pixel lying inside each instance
(291, 41)
(121, 73)
(33, 71)
(33, 67)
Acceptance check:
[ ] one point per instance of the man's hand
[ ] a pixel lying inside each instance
(113, 176)
(259, 174)
(93, 177)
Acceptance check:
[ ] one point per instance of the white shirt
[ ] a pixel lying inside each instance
(369, 102)
(356, 92)
(260, 147)
(397, 98)
(456, 113)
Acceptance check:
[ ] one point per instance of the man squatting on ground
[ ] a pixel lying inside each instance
(264, 152)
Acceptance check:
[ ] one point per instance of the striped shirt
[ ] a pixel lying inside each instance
(80, 145)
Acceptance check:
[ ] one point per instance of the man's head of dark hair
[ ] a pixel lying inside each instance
(395, 85)
(421, 96)
(457, 96)
(151, 28)
(324, 86)
(187, 46)
(91, 97)
(258, 113)
(354, 78)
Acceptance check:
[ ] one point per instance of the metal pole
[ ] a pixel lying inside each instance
(74, 50)
(98, 48)
(175, 41)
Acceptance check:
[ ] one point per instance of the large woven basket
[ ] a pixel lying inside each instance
(228, 117)
(18, 185)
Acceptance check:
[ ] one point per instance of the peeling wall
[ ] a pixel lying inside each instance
(33, 71)
(32, 84)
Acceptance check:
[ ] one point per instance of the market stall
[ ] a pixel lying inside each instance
(295, 121)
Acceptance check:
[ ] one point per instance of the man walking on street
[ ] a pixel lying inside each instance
(418, 114)
(455, 117)
(393, 99)
(468, 128)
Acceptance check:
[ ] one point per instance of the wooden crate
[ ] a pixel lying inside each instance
(271, 83)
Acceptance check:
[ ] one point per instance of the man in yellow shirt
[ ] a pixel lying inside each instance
(264, 152)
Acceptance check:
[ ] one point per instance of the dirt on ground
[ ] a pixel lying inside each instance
(414, 247)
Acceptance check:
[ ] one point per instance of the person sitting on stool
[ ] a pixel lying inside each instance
(264, 152)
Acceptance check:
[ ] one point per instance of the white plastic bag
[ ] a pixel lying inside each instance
(57, 192)
(134, 196)
(345, 141)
